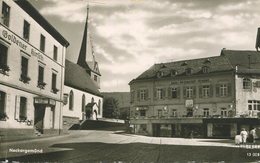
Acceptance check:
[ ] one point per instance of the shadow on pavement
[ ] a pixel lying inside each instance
(140, 152)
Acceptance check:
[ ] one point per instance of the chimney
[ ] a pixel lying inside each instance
(257, 44)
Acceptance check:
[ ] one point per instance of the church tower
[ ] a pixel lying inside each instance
(86, 57)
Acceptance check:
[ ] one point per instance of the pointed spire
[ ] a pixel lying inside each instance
(83, 50)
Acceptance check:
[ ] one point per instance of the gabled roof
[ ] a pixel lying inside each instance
(78, 78)
(242, 58)
(29, 9)
(227, 61)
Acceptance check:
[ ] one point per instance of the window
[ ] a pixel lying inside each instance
(2, 103)
(246, 83)
(40, 75)
(189, 112)
(174, 92)
(223, 90)
(188, 71)
(142, 94)
(174, 112)
(205, 112)
(159, 113)
(55, 53)
(223, 112)
(53, 83)
(83, 103)
(24, 70)
(99, 106)
(5, 14)
(95, 77)
(26, 30)
(142, 113)
(174, 73)
(23, 108)
(205, 69)
(160, 74)
(205, 91)
(3, 56)
(253, 105)
(42, 43)
(71, 100)
(159, 93)
(189, 92)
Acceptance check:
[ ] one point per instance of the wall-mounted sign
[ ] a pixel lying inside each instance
(44, 101)
(189, 103)
(15, 40)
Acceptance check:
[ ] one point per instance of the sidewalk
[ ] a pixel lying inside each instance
(16, 138)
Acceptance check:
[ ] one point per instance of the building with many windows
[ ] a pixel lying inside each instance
(32, 60)
(82, 84)
(205, 97)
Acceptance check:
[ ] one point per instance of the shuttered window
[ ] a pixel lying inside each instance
(2, 102)
(23, 108)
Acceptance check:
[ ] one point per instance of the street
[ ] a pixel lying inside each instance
(108, 146)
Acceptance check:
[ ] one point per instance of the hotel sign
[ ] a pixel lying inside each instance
(44, 101)
(190, 81)
(16, 40)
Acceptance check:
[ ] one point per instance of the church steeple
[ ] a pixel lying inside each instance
(86, 55)
(83, 50)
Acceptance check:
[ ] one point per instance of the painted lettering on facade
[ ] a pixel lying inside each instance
(16, 41)
(36, 54)
(13, 39)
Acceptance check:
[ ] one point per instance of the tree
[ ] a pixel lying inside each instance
(110, 108)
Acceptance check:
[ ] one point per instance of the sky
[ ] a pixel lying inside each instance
(129, 36)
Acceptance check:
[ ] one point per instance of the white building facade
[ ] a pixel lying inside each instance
(32, 64)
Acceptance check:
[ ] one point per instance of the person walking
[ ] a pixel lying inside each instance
(243, 134)
(252, 135)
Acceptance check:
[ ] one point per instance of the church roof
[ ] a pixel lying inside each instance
(78, 78)
(227, 61)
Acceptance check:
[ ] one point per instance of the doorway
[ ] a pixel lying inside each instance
(39, 113)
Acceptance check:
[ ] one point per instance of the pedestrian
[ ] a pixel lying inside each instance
(243, 134)
(252, 135)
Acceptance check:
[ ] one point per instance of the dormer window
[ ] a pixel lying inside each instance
(174, 73)
(160, 74)
(184, 64)
(246, 83)
(205, 69)
(207, 61)
(188, 71)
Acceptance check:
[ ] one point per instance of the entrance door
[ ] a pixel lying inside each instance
(39, 112)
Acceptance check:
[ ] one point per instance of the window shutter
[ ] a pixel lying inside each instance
(200, 91)
(194, 91)
(211, 90)
(17, 107)
(138, 95)
(27, 113)
(163, 93)
(154, 94)
(169, 92)
(178, 92)
(217, 90)
(184, 92)
(229, 89)
(146, 94)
